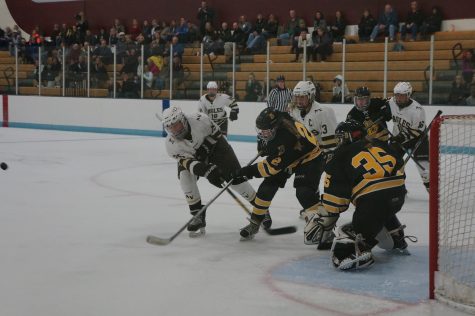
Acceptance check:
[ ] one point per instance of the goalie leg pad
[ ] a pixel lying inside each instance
(318, 230)
(350, 252)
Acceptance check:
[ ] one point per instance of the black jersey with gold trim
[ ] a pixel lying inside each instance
(358, 169)
(377, 108)
(292, 146)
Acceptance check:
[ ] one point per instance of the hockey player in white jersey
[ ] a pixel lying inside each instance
(409, 125)
(318, 119)
(214, 105)
(201, 151)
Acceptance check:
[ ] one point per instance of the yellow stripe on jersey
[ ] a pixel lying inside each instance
(308, 157)
(367, 186)
(328, 142)
(266, 169)
(336, 199)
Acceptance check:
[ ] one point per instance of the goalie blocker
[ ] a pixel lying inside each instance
(366, 174)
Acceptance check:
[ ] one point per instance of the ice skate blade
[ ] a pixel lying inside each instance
(250, 237)
(199, 233)
(400, 252)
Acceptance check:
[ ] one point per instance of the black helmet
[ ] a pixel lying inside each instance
(266, 124)
(349, 132)
(362, 98)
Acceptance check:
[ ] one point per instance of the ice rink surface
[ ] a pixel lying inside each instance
(76, 209)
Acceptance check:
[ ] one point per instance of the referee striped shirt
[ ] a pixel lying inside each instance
(279, 99)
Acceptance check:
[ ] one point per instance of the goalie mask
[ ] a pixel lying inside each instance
(304, 95)
(402, 94)
(362, 98)
(175, 122)
(267, 123)
(349, 132)
(212, 88)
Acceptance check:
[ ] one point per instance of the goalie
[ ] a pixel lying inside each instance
(367, 173)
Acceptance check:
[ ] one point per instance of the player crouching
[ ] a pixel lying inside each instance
(365, 172)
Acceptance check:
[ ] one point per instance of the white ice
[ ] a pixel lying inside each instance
(75, 209)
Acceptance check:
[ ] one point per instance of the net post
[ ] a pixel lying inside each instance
(434, 143)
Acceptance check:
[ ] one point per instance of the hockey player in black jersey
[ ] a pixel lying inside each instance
(366, 172)
(288, 148)
(367, 110)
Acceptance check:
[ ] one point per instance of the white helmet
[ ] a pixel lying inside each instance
(403, 88)
(304, 88)
(175, 122)
(212, 85)
(402, 93)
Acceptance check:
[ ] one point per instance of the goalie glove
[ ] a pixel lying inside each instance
(318, 230)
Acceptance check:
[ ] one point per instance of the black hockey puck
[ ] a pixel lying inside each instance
(4, 166)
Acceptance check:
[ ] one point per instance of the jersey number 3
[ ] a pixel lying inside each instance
(375, 161)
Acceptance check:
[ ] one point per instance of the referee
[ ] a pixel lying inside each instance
(279, 97)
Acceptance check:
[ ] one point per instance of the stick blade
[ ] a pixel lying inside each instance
(281, 230)
(154, 240)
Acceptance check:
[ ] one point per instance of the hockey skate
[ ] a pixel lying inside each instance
(267, 221)
(248, 232)
(197, 226)
(399, 240)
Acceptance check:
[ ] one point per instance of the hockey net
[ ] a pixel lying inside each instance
(452, 211)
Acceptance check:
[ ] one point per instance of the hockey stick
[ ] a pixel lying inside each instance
(419, 142)
(154, 240)
(271, 231)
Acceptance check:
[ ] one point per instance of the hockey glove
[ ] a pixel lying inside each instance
(261, 148)
(215, 176)
(204, 151)
(233, 115)
(243, 174)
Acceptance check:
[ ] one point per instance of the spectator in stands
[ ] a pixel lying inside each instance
(56, 35)
(78, 69)
(50, 73)
(298, 30)
(253, 89)
(387, 23)
(260, 23)
(459, 91)
(366, 26)
(178, 48)
(205, 14)
(182, 31)
(121, 48)
(73, 54)
(245, 25)
(322, 44)
(131, 62)
(146, 27)
(468, 65)
(471, 99)
(134, 29)
(36, 72)
(212, 44)
(147, 76)
(172, 30)
(99, 75)
(104, 52)
(81, 26)
(338, 27)
(319, 21)
(113, 37)
(289, 30)
(226, 36)
(256, 42)
(432, 23)
(118, 26)
(280, 96)
(338, 89)
(129, 87)
(238, 35)
(305, 39)
(103, 35)
(271, 27)
(413, 22)
(165, 32)
(193, 32)
(90, 38)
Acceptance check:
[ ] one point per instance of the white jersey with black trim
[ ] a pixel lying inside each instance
(216, 109)
(201, 127)
(321, 121)
(409, 120)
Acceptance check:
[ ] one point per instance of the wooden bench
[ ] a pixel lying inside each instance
(59, 91)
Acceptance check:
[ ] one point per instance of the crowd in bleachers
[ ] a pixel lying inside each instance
(157, 37)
